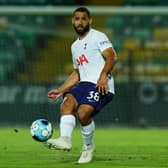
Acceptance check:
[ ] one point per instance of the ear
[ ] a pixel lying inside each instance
(90, 21)
(72, 20)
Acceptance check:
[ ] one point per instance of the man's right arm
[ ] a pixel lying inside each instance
(72, 80)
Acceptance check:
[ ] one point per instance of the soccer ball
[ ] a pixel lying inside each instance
(41, 130)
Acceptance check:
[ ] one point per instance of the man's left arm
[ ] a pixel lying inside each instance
(110, 57)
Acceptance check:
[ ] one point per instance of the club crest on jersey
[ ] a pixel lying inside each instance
(85, 46)
(82, 59)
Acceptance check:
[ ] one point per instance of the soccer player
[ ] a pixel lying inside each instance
(89, 87)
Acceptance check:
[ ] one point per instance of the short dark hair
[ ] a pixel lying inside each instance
(82, 9)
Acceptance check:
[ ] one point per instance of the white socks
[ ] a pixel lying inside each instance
(87, 133)
(67, 123)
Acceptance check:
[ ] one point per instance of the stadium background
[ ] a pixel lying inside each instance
(35, 39)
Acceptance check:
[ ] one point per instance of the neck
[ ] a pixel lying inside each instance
(83, 35)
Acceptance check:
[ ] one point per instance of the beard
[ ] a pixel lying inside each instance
(82, 31)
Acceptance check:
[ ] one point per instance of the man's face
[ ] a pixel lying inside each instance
(81, 23)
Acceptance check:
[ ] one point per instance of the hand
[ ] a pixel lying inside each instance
(54, 94)
(102, 84)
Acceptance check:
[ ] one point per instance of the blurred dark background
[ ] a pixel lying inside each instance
(35, 39)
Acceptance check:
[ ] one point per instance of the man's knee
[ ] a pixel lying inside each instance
(84, 119)
(68, 105)
(85, 114)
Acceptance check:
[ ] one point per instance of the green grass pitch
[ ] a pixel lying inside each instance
(115, 148)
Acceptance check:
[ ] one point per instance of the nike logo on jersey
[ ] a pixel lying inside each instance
(82, 59)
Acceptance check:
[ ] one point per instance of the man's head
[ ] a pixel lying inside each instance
(81, 20)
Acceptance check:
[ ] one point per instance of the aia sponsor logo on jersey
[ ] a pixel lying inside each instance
(82, 59)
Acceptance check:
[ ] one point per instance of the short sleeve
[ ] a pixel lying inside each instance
(103, 42)
(74, 64)
(73, 59)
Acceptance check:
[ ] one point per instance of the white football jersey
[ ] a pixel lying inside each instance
(87, 57)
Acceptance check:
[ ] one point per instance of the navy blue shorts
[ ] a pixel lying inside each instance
(87, 93)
